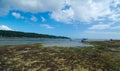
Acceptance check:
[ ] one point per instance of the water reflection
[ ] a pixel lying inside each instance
(43, 41)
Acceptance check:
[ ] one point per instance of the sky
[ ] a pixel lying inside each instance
(94, 19)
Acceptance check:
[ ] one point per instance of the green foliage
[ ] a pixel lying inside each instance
(113, 43)
(4, 33)
(39, 45)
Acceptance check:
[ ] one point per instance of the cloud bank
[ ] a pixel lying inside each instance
(66, 11)
(4, 27)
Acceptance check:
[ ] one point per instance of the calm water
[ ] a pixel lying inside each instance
(44, 42)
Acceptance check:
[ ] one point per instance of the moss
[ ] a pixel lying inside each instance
(40, 58)
(38, 45)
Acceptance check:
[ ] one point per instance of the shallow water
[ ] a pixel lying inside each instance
(43, 41)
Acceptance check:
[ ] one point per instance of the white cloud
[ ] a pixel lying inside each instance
(17, 15)
(47, 26)
(116, 2)
(100, 27)
(33, 6)
(115, 27)
(101, 34)
(88, 10)
(80, 10)
(43, 19)
(115, 16)
(4, 27)
(33, 18)
(36, 6)
(65, 16)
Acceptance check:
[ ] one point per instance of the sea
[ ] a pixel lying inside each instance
(47, 42)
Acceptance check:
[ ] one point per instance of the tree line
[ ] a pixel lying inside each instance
(6, 33)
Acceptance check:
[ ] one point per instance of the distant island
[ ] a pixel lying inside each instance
(10, 34)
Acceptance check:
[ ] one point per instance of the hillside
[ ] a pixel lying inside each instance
(4, 33)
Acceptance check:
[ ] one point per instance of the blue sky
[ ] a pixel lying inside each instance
(96, 19)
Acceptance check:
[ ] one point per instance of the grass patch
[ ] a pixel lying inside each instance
(38, 58)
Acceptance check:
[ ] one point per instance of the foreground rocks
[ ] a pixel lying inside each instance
(38, 58)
